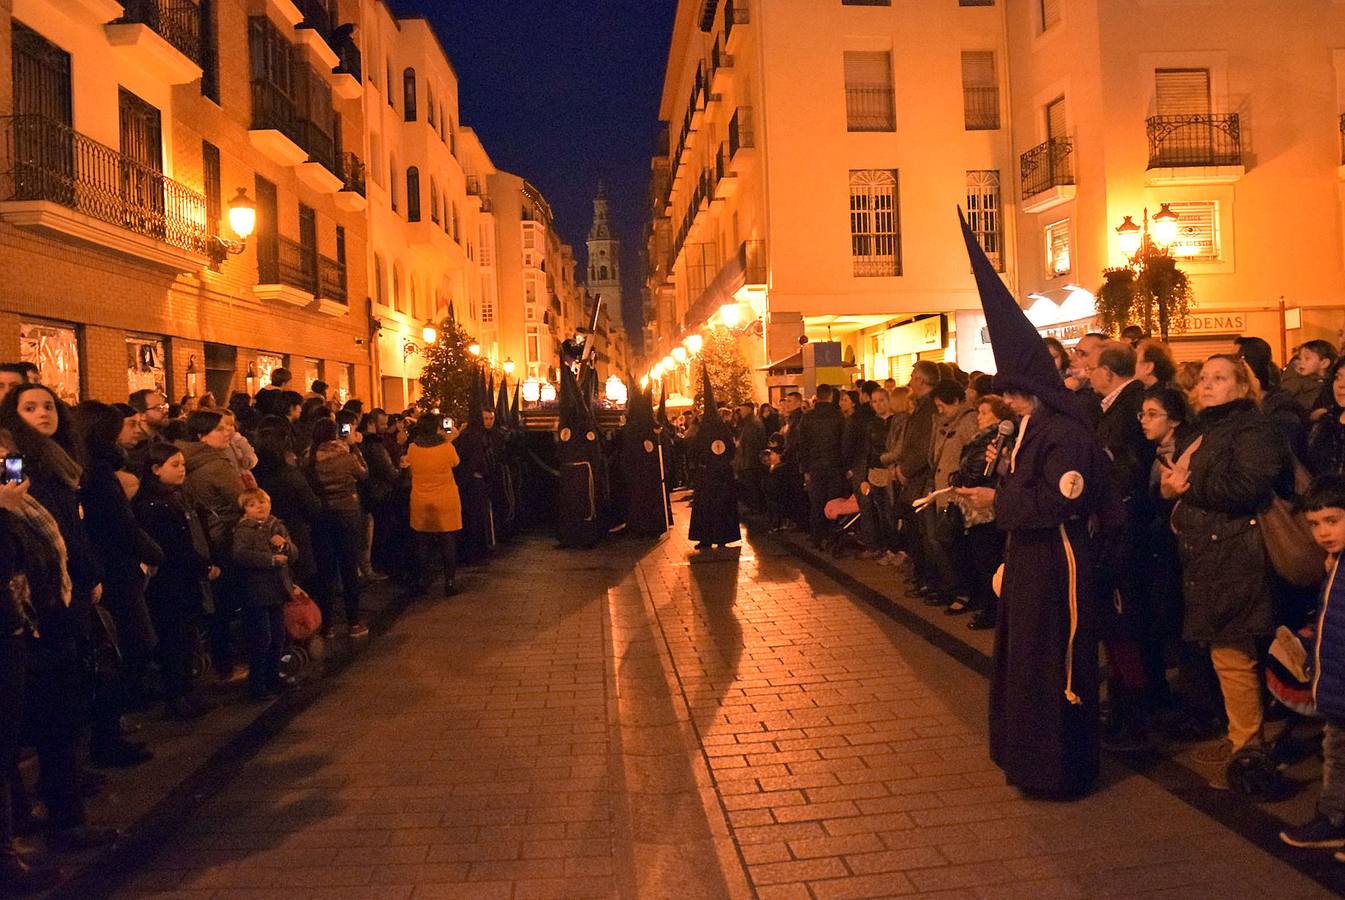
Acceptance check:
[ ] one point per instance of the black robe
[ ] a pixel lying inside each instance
(478, 529)
(581, 501)
(1044, 688)
(714, 504)
(640, 460)
(500, 480)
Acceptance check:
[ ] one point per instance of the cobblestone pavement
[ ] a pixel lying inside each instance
(639, 722)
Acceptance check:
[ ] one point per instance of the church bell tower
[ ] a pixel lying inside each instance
(604, 252)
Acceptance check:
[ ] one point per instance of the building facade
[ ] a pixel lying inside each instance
(129, 130)
(819, 153)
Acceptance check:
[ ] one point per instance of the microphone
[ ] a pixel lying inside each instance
(1006, 430)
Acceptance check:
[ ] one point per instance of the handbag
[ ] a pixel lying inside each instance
(302, 616)
(1293, 553)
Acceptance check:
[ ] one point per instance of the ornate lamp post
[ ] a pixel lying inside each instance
(1150, 274)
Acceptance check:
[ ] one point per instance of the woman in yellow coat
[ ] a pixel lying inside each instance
(436, 511)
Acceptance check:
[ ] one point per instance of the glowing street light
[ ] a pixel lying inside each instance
(242, 215)
(731, 314)
(1129, 236)
(616, 390)
(693, 343)
(474, 348)
(668, 363)
(679, 354)
(429, 334)
(1165, 227)
(509, 365)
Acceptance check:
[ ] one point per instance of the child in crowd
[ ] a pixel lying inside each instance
(1324, 505)
(263, 551)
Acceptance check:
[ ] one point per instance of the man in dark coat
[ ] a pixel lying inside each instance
(1134, 642)
(472, 476)
(751, 444)
(820, 438)
(501, 478)
(914, 463)
(1043, 694)
(714, 505)
(640, 459)
(582, 492)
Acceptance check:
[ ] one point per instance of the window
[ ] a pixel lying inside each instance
(602, 273)
(875, 235)
(376, 158)
(429, 103)
(1197, 230)
(145, 360)
(380, 281)
(412, 194)
(397, 287)
(1182, 92)
(530, 291)
(1050, 12)
(209, 51)
(1057, 249)
(975, 2)
(210, 178)
(434, 200)
(980, 91)
(534, 348)
(457, 235)
(1056, 124)
(54, 348)
(868, 91)
(409, 94)
(983, 213)
(268, 233)
(487, 301)
(532, 314)
(393, 182)
(487, 252)
(308, 248)
(391, 90)
(341, 260)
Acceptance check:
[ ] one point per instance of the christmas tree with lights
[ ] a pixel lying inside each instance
(449, 374)
(729, 376)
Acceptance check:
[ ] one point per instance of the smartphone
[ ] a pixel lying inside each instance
(448, 424)
(13, 469)
(345, 430)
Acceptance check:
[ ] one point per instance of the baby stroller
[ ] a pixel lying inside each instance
(844, 515)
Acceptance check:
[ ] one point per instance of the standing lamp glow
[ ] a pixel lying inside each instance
(693, 343)
(474, 348)
(1165, 227)
(532, 390)
(731, 314)
(616, 390)
(548, 393)
(1129, 236)
(679, 354)
(429, 334)
(509, 365)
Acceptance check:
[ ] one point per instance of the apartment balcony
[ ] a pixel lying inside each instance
(162, 37)
(696, 108)
(287, 272)
(735, 20)
(980, 108)
(351, 196)
(98, 12)
(726, 183)
(333, 298)
(1203, 148)
(320, 171)
(65, 184)
(1047, 174)
(276, 127)
(348, 76)
(870, 107)
(721, 71)
(742, 141)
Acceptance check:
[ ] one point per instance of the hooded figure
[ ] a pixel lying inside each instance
(473, 474)
(641, 463)
(501, 478)
(714, 505)
(667, 436)
(581, 501)
(1052, 481)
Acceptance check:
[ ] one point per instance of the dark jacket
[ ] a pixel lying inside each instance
(1131, 454)
(266, 582)
(62, 501)
(293, 502)
(913, 449)
(168, 517)
(1227, 581)
(213, 485)
(855, 441)
(383, 475)
(1280, 408)
(1328, 686)
(751, 443)
(117, 538)
(336, 472)
(1326, 444)
(820, 438)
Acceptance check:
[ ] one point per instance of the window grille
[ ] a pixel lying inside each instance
(1058, 248)
(983, 213)
(875, 222)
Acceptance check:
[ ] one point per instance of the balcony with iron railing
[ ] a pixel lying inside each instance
(50, 169)
(980, 108)
(473, 184)
(741, 136)
(745, 268)
(332, 280)
(734, 15)
(161, 37)
(352, 172)
(721, 68)
(176, 21)
(1047, 174)
(869, 107)
(1194, 140)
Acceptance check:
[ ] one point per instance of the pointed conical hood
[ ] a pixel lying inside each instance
(1021, 358)
(515, 408)
(712, 427)
(663, 408)
(474, 404)
(502, 405)
(639, 409)
(490, 387)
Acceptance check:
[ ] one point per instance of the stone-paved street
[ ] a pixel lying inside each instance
(635, 722)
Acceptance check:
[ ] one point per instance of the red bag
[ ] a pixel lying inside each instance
(302, 616)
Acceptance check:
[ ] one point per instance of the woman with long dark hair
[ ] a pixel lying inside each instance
(335, 471)
(56, 709)
(122, 548)
(176, 591)
(1326, 440)
(378, 492)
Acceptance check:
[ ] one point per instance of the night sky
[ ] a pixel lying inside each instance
(565, 92)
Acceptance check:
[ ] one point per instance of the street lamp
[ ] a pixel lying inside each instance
(679, 354)
(731, 314)
(1149, 277)
(1165, 227)
(243, 221)
(668, 363)
(616, 390)
(1129, 235)
(509, 365)
(429, 334)
(474, 348)
(694, 343)
(532, 390)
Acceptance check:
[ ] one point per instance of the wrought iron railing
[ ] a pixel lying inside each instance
(733, 15)
(1342, 139)
(176, 21)
(352, 173)
(316, 17)
(331, 280)
(740, 131)
(981, 108)
(48, 160)
(1047, 165)
(348, 52)
(719, 58)
(473, 185)
(868, 107)
(320, 145)
(1198, 139)
(296, 265)
(273, 109)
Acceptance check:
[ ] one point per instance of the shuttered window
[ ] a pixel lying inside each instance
(1182, 92)
(1197, 230)
(868, 91)
(1058, 249)
(980, 90)
(1050, 12)
(875, 223)
(1056, 125)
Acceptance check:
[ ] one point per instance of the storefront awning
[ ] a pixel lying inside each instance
(791, 363)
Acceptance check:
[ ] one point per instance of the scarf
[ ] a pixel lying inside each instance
(45, 560)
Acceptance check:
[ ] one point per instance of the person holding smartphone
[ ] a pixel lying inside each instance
(336, 468)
